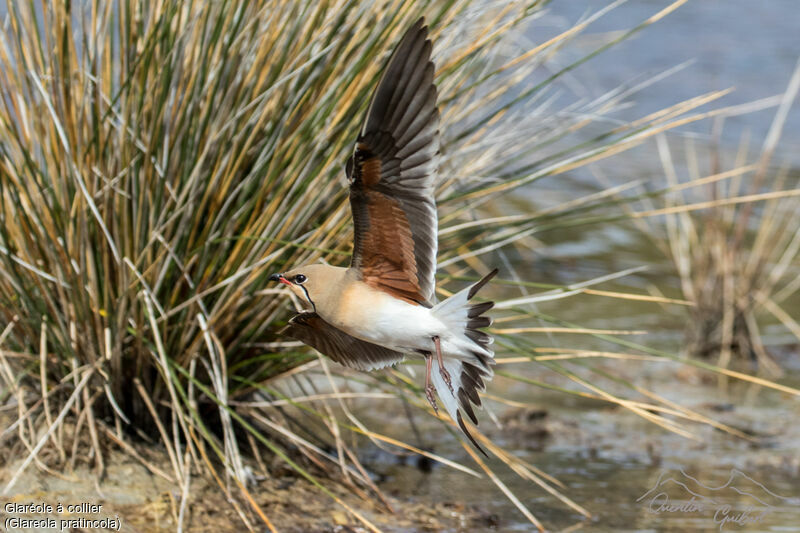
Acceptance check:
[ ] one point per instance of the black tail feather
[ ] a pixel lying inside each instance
(478, 286)
(478, 337)
(474, 373)
(469, 435)
(476, 319)
(478, 309)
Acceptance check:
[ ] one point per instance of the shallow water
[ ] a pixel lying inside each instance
(749, 46)
(609, 458)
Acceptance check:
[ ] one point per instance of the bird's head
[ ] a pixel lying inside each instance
(310, 283)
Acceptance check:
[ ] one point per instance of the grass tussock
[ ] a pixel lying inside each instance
(159, 160)
(737, 260)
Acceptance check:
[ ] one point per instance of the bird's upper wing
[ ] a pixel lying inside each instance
(311, 329)
(392, 174)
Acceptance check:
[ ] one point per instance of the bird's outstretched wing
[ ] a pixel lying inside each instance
(392, 173)
(311, 329)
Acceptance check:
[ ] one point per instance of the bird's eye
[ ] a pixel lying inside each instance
(300, 279)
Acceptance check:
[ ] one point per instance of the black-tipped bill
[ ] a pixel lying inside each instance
(279, 277)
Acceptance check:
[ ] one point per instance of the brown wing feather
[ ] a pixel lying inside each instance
(392, 174)
(311, 329)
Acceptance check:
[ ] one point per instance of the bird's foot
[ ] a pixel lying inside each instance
(429, 390)
(442, 370)
(446, 377)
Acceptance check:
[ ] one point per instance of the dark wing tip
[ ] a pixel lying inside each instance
(420, 25)
(415, 46)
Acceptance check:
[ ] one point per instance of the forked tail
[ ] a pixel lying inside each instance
(471, 366)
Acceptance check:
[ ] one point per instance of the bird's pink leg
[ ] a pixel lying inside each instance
(442, 370)
(429, 389)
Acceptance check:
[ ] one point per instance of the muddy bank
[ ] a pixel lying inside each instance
(607, 458)
(141, 501)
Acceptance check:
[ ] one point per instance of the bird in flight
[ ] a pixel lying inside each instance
(382, 308)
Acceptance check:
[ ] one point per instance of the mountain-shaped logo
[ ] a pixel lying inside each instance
(740, 501)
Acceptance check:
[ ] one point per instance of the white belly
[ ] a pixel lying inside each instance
(379, 318)
(400, 325)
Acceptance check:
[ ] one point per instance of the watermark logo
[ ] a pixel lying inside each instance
(739, 502)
